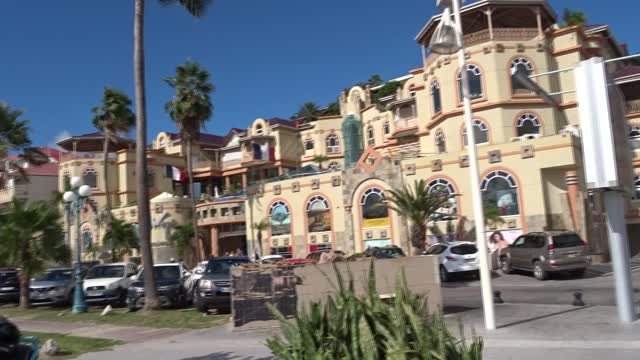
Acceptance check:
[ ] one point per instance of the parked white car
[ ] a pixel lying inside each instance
(271, 259)
(108, 283)
(457, 257)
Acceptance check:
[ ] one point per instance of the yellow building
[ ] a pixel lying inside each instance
(321, 184)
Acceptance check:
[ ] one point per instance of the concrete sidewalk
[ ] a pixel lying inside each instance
(530, 331)
(525, 331)
(112, 332)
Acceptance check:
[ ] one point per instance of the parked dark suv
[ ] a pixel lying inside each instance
(546, 252)
(9, 285)
(213, 290)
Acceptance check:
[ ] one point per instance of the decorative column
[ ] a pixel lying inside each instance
(571, 179)
(490, 22)
(227, 183)
(539, 21)
(244, 181)
(214, 240)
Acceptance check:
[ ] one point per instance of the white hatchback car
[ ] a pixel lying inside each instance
(458, 257)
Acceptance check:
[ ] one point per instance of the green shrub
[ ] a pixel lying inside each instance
(346, 326)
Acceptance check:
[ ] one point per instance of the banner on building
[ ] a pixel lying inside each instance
(319, 220)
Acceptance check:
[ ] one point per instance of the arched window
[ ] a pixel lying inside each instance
(259, 129)
(441, 145)
(375, 211)
(151, 180)
(528, 124)
(435, 96)
(385, 127)
(66, 180)
(474, 75)
(308, 144)
(480, 132)
(522, 64)
(500, 192)
(280, 218)
(335, 166)
(87, 238)
(636, 188)
(333, 144)
(445, 188)
(371, 136)
(634, 132)
(90, 177)
(318, 214)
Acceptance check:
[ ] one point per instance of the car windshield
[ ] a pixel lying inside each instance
(464, 249)
(392, 251)
(567, 240)
(8, 276)
(55, 275)
(163, 273)
(105, 271)
(223, 266)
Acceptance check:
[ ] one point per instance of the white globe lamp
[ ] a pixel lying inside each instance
(75, 182)
(84, 191)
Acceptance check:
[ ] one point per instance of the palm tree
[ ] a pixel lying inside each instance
(197, 9)
(123, 237)
(30, 237)
(319, 159)
(260, 226)
(14, 136)
(309, 111)
(190, 109)
(114, 116)
(420, 206)
(182, 239)
(573, 18)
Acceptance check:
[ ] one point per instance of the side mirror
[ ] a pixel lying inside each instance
(132, 277)
(187, 274)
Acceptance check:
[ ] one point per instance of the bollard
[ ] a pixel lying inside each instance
(497, 298)
(577, 299)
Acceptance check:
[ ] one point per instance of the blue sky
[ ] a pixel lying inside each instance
(266, 57)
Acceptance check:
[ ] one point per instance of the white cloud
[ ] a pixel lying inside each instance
(64, 134)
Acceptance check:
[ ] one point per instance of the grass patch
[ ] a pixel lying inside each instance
(180, 319)
(73, 346)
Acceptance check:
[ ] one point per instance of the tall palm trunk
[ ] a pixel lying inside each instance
(418, 233)
(25, 302)
(107, 195)
(194, 219)
(144, 212)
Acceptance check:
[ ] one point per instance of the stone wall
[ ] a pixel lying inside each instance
(291, 288)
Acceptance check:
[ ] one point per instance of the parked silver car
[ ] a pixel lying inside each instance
(53, 287)
(546, 252)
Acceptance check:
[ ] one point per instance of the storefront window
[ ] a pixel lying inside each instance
(318, 214)
(280, 219)
(500, 192)
(375, 212)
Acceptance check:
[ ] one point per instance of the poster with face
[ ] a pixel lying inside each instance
(508, 236)
(319, 220)
(280, 221)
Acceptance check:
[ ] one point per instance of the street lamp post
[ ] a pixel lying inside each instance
(74, 200)
(448, 39)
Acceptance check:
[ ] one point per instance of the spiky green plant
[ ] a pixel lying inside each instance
(346, 326)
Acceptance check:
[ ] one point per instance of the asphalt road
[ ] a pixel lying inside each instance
(522, 288)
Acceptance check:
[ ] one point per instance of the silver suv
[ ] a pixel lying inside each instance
(546, 252)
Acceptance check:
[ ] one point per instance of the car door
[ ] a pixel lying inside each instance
(516, 251)
(530, 250)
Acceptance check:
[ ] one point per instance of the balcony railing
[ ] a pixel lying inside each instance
(206, 164)
(82, 156)
(221, 212)
(499, 34)
(633, 106)
(403, 123)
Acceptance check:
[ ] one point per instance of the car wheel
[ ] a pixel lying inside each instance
(198, 303)
(444, 274)
(538, 271)
(505, 265)
(578, 273)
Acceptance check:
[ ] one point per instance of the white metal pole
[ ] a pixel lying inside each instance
(619, 246)
(485, 272)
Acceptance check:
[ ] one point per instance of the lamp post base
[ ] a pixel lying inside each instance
(77, 309)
